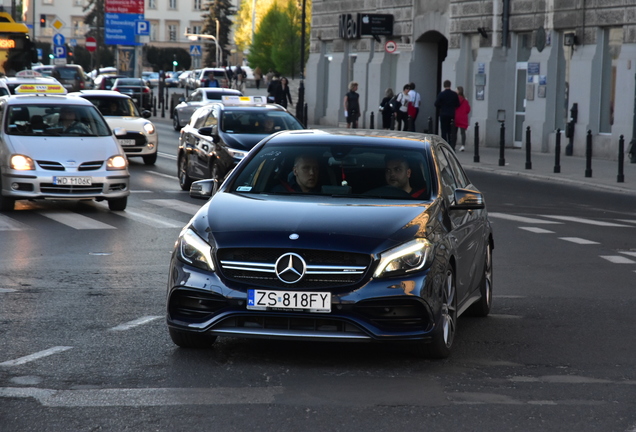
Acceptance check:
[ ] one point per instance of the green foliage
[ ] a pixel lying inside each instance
(162, 58)
(264, 40)
(221, 10)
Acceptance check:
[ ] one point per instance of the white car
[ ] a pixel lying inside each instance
(198, 98)
(27, 77)
(53, 146)
(140, 138)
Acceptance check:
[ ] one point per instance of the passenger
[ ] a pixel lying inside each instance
(37, 124)
(306, 176)
(268, 125)
(398, 174)
(69, 122)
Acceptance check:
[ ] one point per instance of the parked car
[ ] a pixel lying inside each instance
(54, 146)
(183, 78)
(219, 135)
(70, 75)
(193, 80)
(172, 79)
(141, 138)
(152, 79)
(137, 89)
(198, 98)
(344, 235)
(106, 81)
(207, 76)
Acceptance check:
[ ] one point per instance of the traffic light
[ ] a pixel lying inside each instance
(42, 20)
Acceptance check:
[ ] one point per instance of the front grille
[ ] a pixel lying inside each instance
(325, 269)
(51, 166)
(303, 325)
(395, 314)
(50, 188)
(194, 306)
(90, 166)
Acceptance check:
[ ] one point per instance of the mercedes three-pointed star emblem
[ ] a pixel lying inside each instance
(290, 268)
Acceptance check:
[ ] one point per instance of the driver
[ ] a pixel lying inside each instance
(306, 176)
(398, 174)
(69, 122)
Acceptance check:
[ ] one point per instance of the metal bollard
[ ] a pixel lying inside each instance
(430, 125)
(528, 149)
(588, 155)
(451, 136)
(410, 124)
(371, 122)
(476, 157)
(502, 144)
(557, 152)
(620, 178)
(305, 115)
(154, 105)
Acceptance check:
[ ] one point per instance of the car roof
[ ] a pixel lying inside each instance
(369, 137)
(37, 99)
(103, 93)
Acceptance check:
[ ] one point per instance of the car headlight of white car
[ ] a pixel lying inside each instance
(22, 163)
(117, 162)
(149, 128)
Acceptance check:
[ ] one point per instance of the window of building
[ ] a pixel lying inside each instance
(152, 4)
(154, 30)
(77, 25)
(197, 28)
(172, 4)
(172, 32)
(197, 5)
(612, 43)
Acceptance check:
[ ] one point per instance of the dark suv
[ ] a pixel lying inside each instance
(70, 76)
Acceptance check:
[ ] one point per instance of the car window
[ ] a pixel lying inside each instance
(449, 183)
(338, 170)
(258, 121)
(199, 117)
(211, 119)
(53, 120)
(67, 73)
(110, 106)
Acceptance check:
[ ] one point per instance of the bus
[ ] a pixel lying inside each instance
(17, 51)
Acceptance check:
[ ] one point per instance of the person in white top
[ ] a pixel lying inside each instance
(401, 116)
(415, 100)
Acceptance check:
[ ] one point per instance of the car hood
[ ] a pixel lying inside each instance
(243, 141)
(131, 124)
(370, 226)
(62, 149)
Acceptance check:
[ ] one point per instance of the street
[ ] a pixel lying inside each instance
(84, 344)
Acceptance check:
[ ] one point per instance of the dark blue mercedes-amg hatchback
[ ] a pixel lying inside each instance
(344, 235)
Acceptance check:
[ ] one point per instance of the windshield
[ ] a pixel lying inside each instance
(130, 82)
(337, 170)
(54, 120)
(258, 121)
(110, 106)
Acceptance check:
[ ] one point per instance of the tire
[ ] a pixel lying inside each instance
(184, 179)
(175, 122)
(7, 204)
(150, 159)
(191, 340)
(118, 204)
(445, 329)
(481, 308)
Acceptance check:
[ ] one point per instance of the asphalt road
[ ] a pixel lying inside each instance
(84, 346)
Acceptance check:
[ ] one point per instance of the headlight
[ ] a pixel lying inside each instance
(22, 163)
(149, 128)
(194, 250)
(236, 154)
(412, 256)
(116, 163)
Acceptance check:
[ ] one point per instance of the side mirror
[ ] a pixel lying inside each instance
(206, 131)
(203, 189)
(181, 99)
(466, 199)
(119, 131)
(146, 114)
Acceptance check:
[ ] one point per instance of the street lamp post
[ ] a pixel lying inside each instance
(194, 36)
(301, 87)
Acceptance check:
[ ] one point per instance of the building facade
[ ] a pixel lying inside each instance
(544, 65)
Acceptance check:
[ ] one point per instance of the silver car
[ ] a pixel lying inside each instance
(56, 146)
(198, 98)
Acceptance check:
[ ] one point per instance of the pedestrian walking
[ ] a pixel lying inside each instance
(401, 116)
(272, 87)
(352, 106)
(461, 118)
(446, 103)
(414, 107)
(258, 75)
(385, 109)
(282, 93)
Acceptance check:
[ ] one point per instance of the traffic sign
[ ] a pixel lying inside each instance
(195, 50)
(59, 39)
(91, 44)
(72, 42)
(57, 24)
(59, 51)
(390, 46)
(142, 28)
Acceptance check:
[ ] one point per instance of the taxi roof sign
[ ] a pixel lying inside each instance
(243, 100)
(40, 89)
(28, 73)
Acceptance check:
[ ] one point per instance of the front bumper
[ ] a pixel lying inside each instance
(144, 144)
(377, 310)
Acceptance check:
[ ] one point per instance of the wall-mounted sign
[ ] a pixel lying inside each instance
(354, 26)
(534, 68)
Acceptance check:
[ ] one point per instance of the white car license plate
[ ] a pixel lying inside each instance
(300, 300)
(126, 142)
(73, 181)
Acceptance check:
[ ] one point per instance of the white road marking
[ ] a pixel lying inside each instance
(75, 220)
(36, 356)
(173, 204)
(141, 191)
(630, 253)
(521, 218)
(171, 177)
(167, 155)
(150, 219)
(135, 323)
(587, 221)
(617, 259)
(504, 316)
(631, 221)
(8, 224)
(146, 396)
(7, 290)
(537, 230)
(578, 240)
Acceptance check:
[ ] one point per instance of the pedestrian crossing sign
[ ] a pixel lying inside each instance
(195, 50)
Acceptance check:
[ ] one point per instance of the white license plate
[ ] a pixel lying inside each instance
(298, 300)
(126, 142)
(73, 181)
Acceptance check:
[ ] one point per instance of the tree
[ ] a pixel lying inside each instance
(95, 19)
(247, 22)
(264, 40)
(220, 10)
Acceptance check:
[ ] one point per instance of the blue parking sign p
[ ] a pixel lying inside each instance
(59, 51)
(142, 28)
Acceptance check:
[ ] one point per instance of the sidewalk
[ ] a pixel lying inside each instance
(573, 168)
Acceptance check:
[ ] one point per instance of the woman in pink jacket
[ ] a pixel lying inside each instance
(461, 117)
